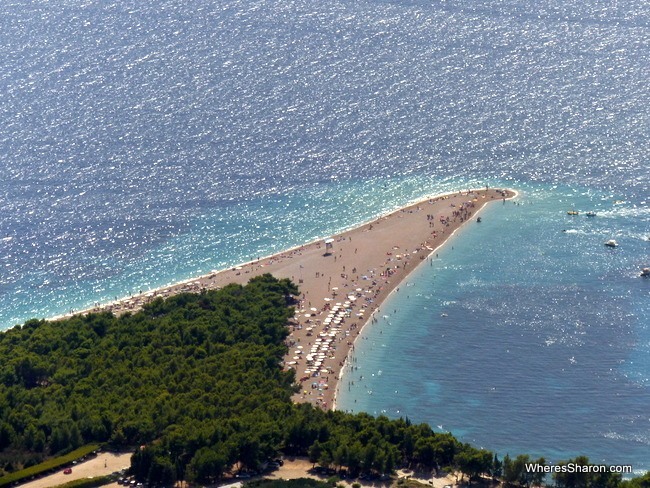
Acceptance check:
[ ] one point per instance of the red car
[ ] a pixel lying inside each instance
(67, 471)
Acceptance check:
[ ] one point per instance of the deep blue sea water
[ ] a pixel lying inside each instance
(146, 142)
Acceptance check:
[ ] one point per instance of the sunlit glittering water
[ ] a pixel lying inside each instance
(146, 142)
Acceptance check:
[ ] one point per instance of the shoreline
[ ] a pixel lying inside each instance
(342, 286)
(118, 303)
(512, 194)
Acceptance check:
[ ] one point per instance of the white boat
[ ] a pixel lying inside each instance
(645, 272)
(611, 243)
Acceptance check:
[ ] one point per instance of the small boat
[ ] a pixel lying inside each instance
(590, 214)
(478, 220)
(573, 212)
(611, 243)
(645, 272)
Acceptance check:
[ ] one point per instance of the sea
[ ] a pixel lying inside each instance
(143, 143)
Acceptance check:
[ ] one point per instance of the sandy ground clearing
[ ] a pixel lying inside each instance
(105, 463)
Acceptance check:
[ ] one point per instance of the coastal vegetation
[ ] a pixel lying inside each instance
(194, 384)
(193, 370)
(87, 482)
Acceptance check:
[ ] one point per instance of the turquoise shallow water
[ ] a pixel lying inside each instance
(525, 335)
(146, 142)
(80, 266)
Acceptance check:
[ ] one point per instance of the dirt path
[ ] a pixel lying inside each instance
(300, 468)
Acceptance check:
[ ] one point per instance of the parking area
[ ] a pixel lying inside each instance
(105, 463)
